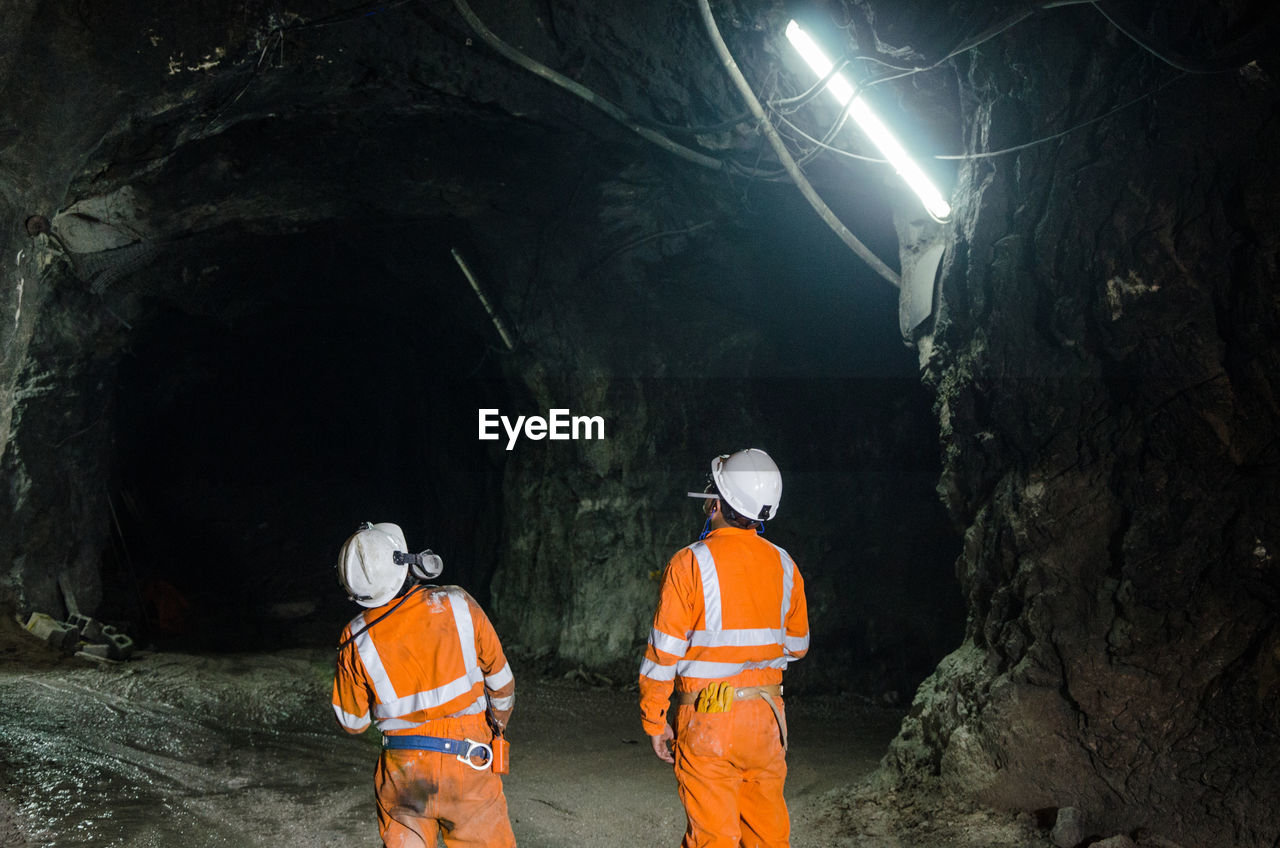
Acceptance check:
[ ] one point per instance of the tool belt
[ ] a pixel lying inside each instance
(719, 697)
(465, 749)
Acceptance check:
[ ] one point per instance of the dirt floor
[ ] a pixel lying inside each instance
(241, 750)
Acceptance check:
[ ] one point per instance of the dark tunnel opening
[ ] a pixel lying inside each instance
(295, 385)
(327, 389)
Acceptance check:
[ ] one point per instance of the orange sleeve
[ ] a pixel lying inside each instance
(668, 639)
(499, 682)
(350, 691)
(797, 623)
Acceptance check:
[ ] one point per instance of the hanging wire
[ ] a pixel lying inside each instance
(813, 90)
(979, 39)
(581, 91)
(780, 107)
(704, 129)
(992, 153)
(1181, 64)
(276, 37)
(822, 145)
(802, 183)
(988, 154)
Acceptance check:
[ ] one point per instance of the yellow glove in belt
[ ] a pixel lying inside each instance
(716, 698)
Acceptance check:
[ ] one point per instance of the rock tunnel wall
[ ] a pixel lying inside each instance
(1104, 363)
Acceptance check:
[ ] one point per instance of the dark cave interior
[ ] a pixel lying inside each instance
(312, 380)
(1035, 494)
(247, 446)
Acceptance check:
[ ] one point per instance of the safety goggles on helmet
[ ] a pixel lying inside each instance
(425, 566)
(708, 496)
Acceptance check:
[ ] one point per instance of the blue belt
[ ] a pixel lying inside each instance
(463, 748)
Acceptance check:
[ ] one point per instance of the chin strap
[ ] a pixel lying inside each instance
(758, 526)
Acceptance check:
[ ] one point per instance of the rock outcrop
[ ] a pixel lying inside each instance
(1104, 362)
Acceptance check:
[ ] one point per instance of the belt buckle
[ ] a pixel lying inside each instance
(472, 746)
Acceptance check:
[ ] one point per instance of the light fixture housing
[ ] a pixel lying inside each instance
(869, 123)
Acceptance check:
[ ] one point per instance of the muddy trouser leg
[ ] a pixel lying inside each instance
(476, 817)
(422, 793)
(405, 785)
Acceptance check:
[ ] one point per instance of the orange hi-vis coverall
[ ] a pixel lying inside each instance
(433, 667)
(732, 609)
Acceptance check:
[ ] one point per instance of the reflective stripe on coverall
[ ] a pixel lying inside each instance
(732, 608)
(430, 669)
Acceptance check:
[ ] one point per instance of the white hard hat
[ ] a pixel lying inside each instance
(749, 481)
(367, 566)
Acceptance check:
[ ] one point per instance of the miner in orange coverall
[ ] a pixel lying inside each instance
(423, 663)
(730, 617)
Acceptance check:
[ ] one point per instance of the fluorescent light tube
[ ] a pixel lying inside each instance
(869, 123)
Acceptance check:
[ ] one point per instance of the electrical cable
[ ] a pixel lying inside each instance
(1125, 28)
(981, 38)
(353, 13)
(992, 153)
(581, 91)
(722, 126)
(829, 148)
(645, 239)
(780, 149)
(991, 32)
(819, 145)
(1181, 64)
(988, 154)
(978, 40)
(826, 140)
(985, 36)
(789, 164)
(609, 108)
(641, 126)
(800, 100)
(813, 90)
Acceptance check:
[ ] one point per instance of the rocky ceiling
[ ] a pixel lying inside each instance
(232, 324)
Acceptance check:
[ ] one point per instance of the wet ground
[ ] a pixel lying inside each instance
(241, 750)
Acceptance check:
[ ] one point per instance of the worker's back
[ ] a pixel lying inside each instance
(753, 576)
(418, 662)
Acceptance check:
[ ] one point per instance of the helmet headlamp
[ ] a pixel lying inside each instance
(425, 566)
